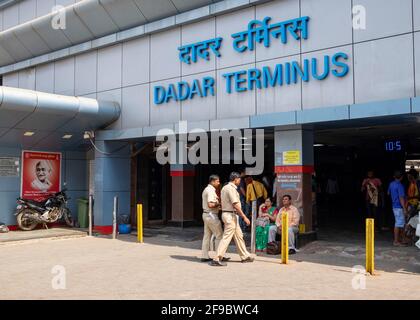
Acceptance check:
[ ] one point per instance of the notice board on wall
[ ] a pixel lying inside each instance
(9, 167)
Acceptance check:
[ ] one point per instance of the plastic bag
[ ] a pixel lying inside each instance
(273, 247)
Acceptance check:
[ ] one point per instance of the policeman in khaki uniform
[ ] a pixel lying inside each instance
(212, 224)
(231, 208)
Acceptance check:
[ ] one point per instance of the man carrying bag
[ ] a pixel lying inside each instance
(255, 191)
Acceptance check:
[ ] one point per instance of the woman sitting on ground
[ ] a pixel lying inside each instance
(267, 215)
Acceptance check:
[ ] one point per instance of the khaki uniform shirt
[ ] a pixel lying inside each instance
(229, 196)
(209, 195)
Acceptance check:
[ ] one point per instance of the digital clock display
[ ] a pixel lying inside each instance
(393, 146)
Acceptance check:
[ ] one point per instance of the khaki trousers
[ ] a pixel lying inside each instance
(212, 226)
(232, 230)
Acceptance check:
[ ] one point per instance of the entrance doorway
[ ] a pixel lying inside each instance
(153, 188)
(344, 155)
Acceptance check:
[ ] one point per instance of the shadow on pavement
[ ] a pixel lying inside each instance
(338, 248)
(187, 258)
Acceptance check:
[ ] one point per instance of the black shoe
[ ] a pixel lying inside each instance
(214, 263)
(292, 251)
(249, 259)
(225, 259)
(206, 259)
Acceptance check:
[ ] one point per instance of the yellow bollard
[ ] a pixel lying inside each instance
(302, 228)
(370, 246)
(284, 238)
(140, 223)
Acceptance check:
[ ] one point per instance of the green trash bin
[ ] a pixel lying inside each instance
(83, 213)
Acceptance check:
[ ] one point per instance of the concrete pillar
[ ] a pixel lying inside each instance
(294, 165)
(182, 177)
(112, 178)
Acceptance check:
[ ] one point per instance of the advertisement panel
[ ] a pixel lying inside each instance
(41, 174)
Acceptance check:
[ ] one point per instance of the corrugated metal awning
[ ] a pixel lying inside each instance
(85, 21)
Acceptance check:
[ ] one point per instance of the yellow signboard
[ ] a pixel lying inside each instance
(291, 157)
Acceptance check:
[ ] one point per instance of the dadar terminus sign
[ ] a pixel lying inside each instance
(256, 78)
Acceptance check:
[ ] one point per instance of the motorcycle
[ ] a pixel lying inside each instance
(30, 213)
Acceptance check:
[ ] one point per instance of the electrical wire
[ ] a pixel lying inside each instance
(107, 153)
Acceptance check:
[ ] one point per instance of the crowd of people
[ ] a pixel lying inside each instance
(405, 200)
(234, 201)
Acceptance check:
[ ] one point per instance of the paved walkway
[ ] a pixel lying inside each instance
(167, 267)
(17, 236)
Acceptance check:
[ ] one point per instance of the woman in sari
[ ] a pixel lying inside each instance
(267, 215)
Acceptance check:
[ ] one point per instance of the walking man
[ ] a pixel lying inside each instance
(212, 224)
(231, 209)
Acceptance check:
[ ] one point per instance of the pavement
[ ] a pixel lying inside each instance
(167, 266)
(18, 236)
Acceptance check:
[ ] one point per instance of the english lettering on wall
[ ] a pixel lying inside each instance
(282, 75)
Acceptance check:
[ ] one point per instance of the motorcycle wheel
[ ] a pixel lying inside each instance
(68, 217)
(24, 222)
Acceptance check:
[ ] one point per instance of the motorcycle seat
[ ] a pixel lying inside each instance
(37, 203)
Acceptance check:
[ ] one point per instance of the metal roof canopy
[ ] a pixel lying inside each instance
(85, 20)
(50, 117)
(7, 3)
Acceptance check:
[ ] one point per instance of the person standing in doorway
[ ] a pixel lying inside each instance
(399, 207)
(255, 191)
(371, 186)
(212, 224)
(231, 208)
(413, 193)
(242, 196)
(332, 191)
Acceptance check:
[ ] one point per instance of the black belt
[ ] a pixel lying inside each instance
(228, 211)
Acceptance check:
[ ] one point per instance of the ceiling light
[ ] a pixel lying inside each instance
(29, 134)
(319, 145)
(67, 136)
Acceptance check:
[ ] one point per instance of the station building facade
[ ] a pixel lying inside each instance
(123, 70)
